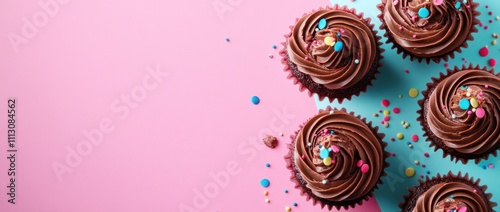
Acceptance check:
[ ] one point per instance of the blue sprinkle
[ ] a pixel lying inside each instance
(227, 39)
(338, 34)
(274, 46)
(423, 12)
(268, 165)
(332, 132)
(322, 23)
(458, 5)
(319, 146)
(428, 172)
(286, 191)
(295, 204)
(255, 100)
(338, 46)
(484, 167)
(464, 104)
(451, 196)
(324, 153)
(265, 182)
(408, 143)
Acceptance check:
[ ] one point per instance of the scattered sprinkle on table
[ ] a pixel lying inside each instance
(483, 52)
(410, 172)
(287, 208)
(266, 193)
(286, 191)
(387, 112)
(416, 162)
(414, 137)
(255, 100)
(426, 154)
(274, 46)
(267, 200)
(400, 136)
(295, 204)
(268, 165)
(265, 183)
(492, 62)
(385, 102)
(396, 110)
(413, 92)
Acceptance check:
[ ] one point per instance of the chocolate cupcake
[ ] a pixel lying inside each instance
(448, 193)
(460, 113)
(336, 159)
(332, 52)
(428, 30)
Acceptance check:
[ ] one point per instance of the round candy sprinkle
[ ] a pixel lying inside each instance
(267, 200)
(413, 92)
(274, 46)
(428, 172)
(266, 193)
(327, 161)
(492, 62)
(324, 152)
(365, 168)
(324, 182)
(423, 165)
(426, 154)
(462, 209)
(375, 114)
(416, 162)
(386, 124)
(334, 149)
(359, 163)
(287, 208)
(338, 46)
(387, 112)
(322, 23)
(385, 102)
(286, 191)
(329, 41)
(414, 137)
(423, 12)
(410, 146)
(438, 2)
(356, 61)
(483, 52)
(474, 102)
(227, 39)
(480, 112)
(400, 136)
(396, 110)
(387, 118)
(268, 165)
(264, 182)
(295, 204)
(410, 172)
(255, 100)
(392, 139)
(453, 116)
(464, 104)
(458, 5)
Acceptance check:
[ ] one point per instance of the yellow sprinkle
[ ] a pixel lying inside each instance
(266, 193)
(474, 102)
(467, 94)
(494, 42)
(413, 92)
(288, 208)
(387, 112)
(498, 18)
(407, 124)
(329, 41)
(327, 161)
(400, 136)
(410, 172)
(402, 122)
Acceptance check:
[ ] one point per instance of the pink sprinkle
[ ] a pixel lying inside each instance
(325, 130)
(392, 139)
(303, 157)
(385, 102)
(396, 110)
(342, 31)
(490, 13)
(444, 106)
(423, 165)
(406, 71)
(387, 118)
(462, 209)
(446, 65)
(414, 137)
(490, 165)
(393, 154)
(491, 21)
(469, 112)
(359, 163)
(382, 122)
(334, 161)
(483, 52)
(306, 58)
(414, 36)
(475, 191)
(365, 168)
(485, 27)
(426, 154)
(486, 86)
(480, 112)
(421, 176)
(335, 149)
(486, 6)
(492, 62)
(396, 2)
(380, 111)
(400, 27)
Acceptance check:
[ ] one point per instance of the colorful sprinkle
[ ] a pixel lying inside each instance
(464, 104)
(387, 112)
(492, 62)
(396, 110)
(416, 162)
(414, 137)
(264, 183)
(334, 149)
(329, 41)
(385, 102)
(287, 208)
(375, 114)
(267, 200)
(480, 112)
(286, 191)
(426, 154)
(423, 165)
(413, 92)
(324, 182)
(387, 118)
(410, 146)
(423, 12)
(327, 161)
(483, 52)
(338, 46)
(462, 209)
(356, 61)
(268, 165)
(324, 153)
(365, 168)
(359, 163)
(322, 23)
(458, 5)
(410, 172)
(474, 102)
(255, 100)
(438, 2)
(227, 39)
(400, 136)
(274, 46)
(266, 193)
(295, 204)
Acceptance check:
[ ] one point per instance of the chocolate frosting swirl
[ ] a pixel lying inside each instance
(333, 69)
(445, 29)
(352, 140)
(444, 196)
(462, 130)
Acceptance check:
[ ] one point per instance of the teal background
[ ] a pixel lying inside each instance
(392, 82)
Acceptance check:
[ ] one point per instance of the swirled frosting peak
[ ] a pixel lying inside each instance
(338, 156)
(335, 47)
(429, 28)
(450, 196)
(463, 113)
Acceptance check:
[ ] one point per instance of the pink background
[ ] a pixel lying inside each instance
(68, 76)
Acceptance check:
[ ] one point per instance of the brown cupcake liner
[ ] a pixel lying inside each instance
(414, 192)
(301, 184)
(435, 141)
(438, 59)
(305, 82)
